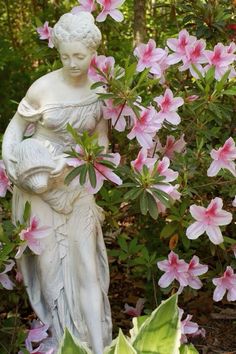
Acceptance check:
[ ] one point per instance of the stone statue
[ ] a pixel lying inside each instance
(68, 283)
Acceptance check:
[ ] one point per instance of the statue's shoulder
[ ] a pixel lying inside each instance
(41, 88)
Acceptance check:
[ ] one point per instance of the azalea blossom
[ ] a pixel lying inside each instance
(225, 283)
(223, 158)
(194, 58)
(192, 98)
(188, 328)
(178, 45)
(117, 114)
(168, 105)
(194, 270)
(137, 310)
(220, 58)
(164, 170)
(85, 5)
(109, 7)
(159, 67)
(36, 335)
(173, 193)
(174, 268)
(148, 56)
(102, 172)
(45, 32)
(19, 276)
(142, 160)
(4, 180)
(4, 278)
(208, 220)
(31, 237)
(145, 127)
(104, 64)
(172, 146)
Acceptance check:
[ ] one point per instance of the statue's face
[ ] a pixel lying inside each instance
(75, 57)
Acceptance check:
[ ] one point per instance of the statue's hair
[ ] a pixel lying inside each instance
(77, 27)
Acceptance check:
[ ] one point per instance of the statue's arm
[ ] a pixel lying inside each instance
(12, 137)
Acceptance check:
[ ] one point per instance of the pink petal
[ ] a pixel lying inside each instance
(173, 118)
(116, 15)
(214, 168)
(35, 246)
(214, 234)
(21, 249)
(197, 212)
(219, 293)
(195, 230)
(6, 282)
(231, 296)
(166, 279)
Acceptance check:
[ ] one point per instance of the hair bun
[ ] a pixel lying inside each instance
(85, 17)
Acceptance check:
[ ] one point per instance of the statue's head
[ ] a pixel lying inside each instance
(76, 38)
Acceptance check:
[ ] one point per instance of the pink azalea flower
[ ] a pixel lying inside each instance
(163, 170)
(173, 193)
(137, 310)
(194, 56)
(110, 8)
(105, 65)
(148, 55)
(168, 107)
(187, 326)
(19, 276)
(194, 270)
(142, 160)
(208, 220)
(103, 173)
(172, 146)
(36, 335)
(4, 278)
(221, 57)
(4, 180)
(174, 268)
(145, 127)
(225, 283)
(85, 5)
(45, 32)
(110, 111)
(160, 66)
(178, 45)
(223, 158)
(31, 237)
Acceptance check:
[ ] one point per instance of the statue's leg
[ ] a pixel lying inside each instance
(83, 254)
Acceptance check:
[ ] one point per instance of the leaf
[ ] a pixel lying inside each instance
(27, 211)
(152, 206)
(187, 349)
(74, 173)
(168, 230)
(161, 196)
(123, 346)
(220, 84)
(160, 333)
(133, 193)
(92, 176)
(137, 323)
(230, 92)
(210, 75)
(96, 85)
(5, 251)
(143, 203)
(70, 345)
(83, 174)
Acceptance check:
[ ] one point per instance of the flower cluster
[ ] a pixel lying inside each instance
(108, 8)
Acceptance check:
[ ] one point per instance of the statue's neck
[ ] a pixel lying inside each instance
(77, 81)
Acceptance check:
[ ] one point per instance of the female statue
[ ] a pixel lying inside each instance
(67, 284)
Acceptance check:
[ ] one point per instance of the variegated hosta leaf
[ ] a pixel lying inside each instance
(123, 346)
(160, 333)
(71, 345)
(188, 349)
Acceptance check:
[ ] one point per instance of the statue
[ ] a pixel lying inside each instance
(68, 283)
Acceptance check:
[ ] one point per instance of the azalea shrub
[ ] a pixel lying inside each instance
(167, 181)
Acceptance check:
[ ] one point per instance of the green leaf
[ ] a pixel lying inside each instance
(210, 75)
(230, 92)
(123, 346)
(134, 193)
(229, 240)
(220, 84)
(143, 203)
(160, 333)
(188, 349)
(96, 85)
(168, 230)
(152, 206)
(137, 323)
(71, 345)
(83, 174)
(92, 176)
(5, 251)
(27, 211)
(161, 196)
(74, 173)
